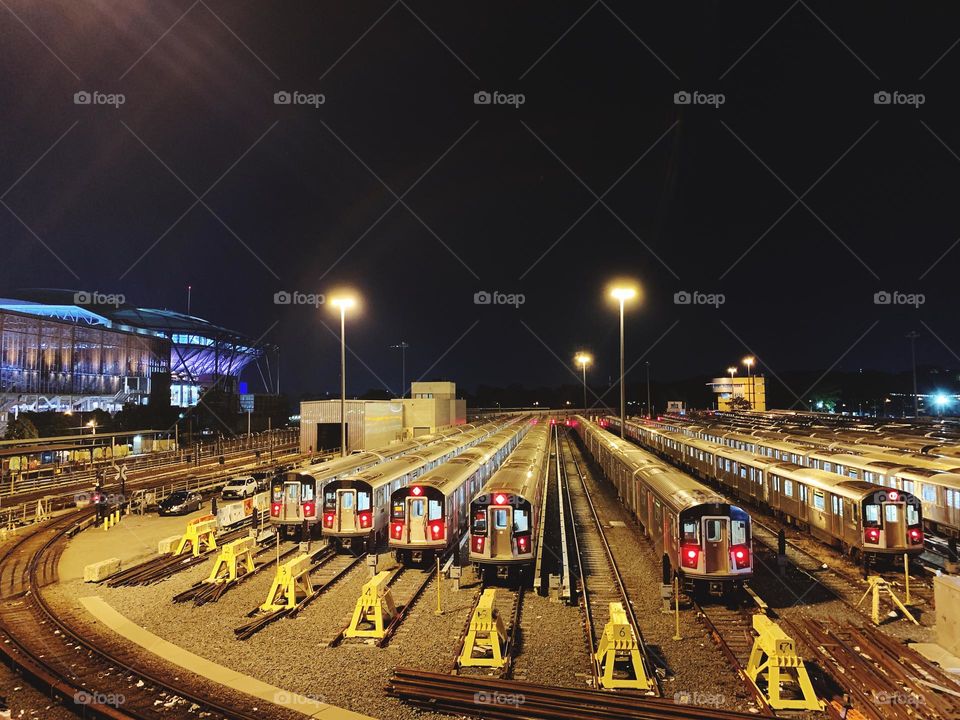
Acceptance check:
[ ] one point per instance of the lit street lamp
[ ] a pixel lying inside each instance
(749, 361)
(732, 370)
(583, 359)
(622, 294)
(343, 303)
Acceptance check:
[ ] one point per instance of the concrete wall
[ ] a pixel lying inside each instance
(370, 423)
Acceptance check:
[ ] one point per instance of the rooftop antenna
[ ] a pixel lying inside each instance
(402, 347)
(189, 292)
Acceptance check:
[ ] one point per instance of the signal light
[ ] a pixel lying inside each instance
(892, 496)
(741, 556)
(500, 499)
(275, 509)
(397, 531)
(690, 556)
(416, 490)
(916, 536)
(478, 542)
(309, 509)
(436, 530)
(871, 535)
(365, 519)
(522, 543)
(328, 520)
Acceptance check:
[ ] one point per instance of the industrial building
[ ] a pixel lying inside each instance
(740, 393)
(66, 350)
(376, 423)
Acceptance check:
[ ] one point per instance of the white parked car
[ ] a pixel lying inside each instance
(238, 488)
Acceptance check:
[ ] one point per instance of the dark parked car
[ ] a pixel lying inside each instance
(180, 502)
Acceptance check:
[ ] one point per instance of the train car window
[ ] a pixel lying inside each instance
(500, 519)
(397, 513)
(363, 500)
(827, 466)
(853, 474)
(743, 472)
(306, 491)
(329, 499)
(908, 485)
(434, 510)
(871, 514)
(929, 492)
(346, 501)
(416, 508)
(714, 530)
(891, 512)
(480, 522)
(277, 493)
(803, 493)
(776, 483)
(691, 532)
(913, 517)
(738, 532)
(788, 488)
(521, 522)
(292, 492)
(818, 501)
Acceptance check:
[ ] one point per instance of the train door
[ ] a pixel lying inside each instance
(291, 501)
(716, 543)
(417, 519)
(347, 514)
(894, 525)
(500, 521)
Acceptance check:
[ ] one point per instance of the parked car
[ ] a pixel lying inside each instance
(238, 488)
(180, 502)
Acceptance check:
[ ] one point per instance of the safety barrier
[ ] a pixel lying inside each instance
(233, 557)
(774, 658)
(375, 609)
(290, 585)
(200, 532)
(877, 585)
(618, 660)
(487, 636)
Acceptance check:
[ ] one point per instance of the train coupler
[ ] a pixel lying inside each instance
(774, 657)
(200, 532)
(290, 585)
(233, 557)
(375, 609)
(618, 661)
(486, 637)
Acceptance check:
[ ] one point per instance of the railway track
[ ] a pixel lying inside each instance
(329, 567)
(90, 675)
(599, 580)
(202, 593)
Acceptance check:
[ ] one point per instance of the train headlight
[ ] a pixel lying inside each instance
(366, 518)
(275, 509)
(523, 543)
(328, 520)
(741, 556)
(436, 530)
(689, 556)
(477, 543)
(916, 536)
(397, 531)
(309, 509)
(871, 535)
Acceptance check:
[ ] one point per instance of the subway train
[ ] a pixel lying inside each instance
(430, 516)
(707, 539)
(294, 494)
(505, 513)
(356, 508)
(934, 480)
(855, 516)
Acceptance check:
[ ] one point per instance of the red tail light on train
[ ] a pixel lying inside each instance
(916, 536)
(523, 544)
(741, 556)
(366, 519)
(477, 543)
(396, 531)
(871, 535)
(328, 520)
(309, 509)
(689, 556)
(275, 509)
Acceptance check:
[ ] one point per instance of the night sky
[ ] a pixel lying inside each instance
(797, 199)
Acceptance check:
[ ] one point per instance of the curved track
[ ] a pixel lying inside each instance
(95, 678)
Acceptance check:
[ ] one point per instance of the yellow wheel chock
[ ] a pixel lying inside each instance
(200, 531)
(877, 585)
(374, 610)
(233, 556)
(774, 656)
(487, 636)
(619, 652)
(290, 585)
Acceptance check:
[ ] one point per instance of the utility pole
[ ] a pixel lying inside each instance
(649, 407)
(913, 335)
(402, 347)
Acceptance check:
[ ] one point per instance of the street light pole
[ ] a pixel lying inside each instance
(913, 335)
(623, 294)
(402, 347)
(649, 406)
(343, 380)
(583, 359)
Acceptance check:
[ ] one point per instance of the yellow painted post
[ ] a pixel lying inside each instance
(676, 608)
(906, 577)
(439, 610)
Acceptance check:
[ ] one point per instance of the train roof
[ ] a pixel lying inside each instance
(519, 473)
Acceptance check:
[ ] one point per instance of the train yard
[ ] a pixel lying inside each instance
(568, 600)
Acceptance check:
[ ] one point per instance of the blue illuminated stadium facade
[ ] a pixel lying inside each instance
(58, 352)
